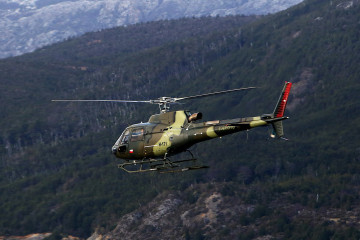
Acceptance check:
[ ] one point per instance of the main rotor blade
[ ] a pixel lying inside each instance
(74, 100)
(214, 93)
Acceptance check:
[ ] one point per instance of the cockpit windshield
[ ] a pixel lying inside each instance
(124, 138)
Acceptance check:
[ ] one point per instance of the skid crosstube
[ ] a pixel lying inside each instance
(159, 165)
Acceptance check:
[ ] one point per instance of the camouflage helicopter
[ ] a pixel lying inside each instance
(148, 146)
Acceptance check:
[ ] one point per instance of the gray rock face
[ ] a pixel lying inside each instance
(29, 24)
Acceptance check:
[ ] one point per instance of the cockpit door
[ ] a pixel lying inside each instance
(136, 144)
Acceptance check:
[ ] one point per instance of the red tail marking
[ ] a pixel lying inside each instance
(282, 104)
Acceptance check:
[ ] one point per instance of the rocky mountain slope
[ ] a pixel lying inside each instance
(27, 25)
(225, 211)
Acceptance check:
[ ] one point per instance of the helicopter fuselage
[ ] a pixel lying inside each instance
(170, 133)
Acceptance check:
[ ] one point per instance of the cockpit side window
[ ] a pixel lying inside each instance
(137, 135)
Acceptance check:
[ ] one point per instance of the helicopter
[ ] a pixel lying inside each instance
(148, 146)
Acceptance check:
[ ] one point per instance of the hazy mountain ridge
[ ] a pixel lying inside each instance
(27, 25)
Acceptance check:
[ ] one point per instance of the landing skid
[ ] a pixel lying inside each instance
(164, 165)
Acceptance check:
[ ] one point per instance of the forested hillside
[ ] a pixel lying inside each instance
(57, 172)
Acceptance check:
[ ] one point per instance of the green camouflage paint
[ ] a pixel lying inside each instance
(171, 133)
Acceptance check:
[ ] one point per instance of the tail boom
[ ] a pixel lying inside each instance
(212, 129)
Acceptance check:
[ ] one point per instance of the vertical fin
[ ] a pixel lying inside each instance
(279, 111)
(280, 107)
